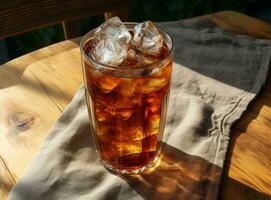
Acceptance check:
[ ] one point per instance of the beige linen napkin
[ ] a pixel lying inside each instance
(215, 76)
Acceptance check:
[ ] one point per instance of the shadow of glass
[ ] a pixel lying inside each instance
(177, 176)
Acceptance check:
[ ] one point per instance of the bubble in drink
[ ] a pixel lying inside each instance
(147, 38)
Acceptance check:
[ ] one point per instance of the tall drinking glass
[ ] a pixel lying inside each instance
(127, 107)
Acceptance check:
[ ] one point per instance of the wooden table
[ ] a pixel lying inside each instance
(35, 88)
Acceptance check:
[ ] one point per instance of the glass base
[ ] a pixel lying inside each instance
(130, 171)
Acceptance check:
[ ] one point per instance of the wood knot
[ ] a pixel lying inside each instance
(21, 121)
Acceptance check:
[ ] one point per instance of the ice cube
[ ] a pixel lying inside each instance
(127, 87)
(155, 108)
(145, 60)
(128, 102)
(124, 113)
(131, 129)
(153, 124)
(113, 29)
(104, 82)
(129, 147)
(103, 100)
(131, 132)
(105, 130)
(107, 83)
(108, 152)
(101, 115)
(156, 98)
(110, 52)
(147, 38)
(132, 59)
(152, 85)
(131, 54)
(124, 107)
(115, 106)
(149, 143)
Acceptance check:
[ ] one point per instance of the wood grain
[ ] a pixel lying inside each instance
(31, 100)
(35, 88)
(6, 180)
(240, 23)
(19, 16)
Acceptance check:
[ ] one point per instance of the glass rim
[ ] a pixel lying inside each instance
(89, 58)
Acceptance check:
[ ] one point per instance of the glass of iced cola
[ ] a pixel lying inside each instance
(127, 72)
